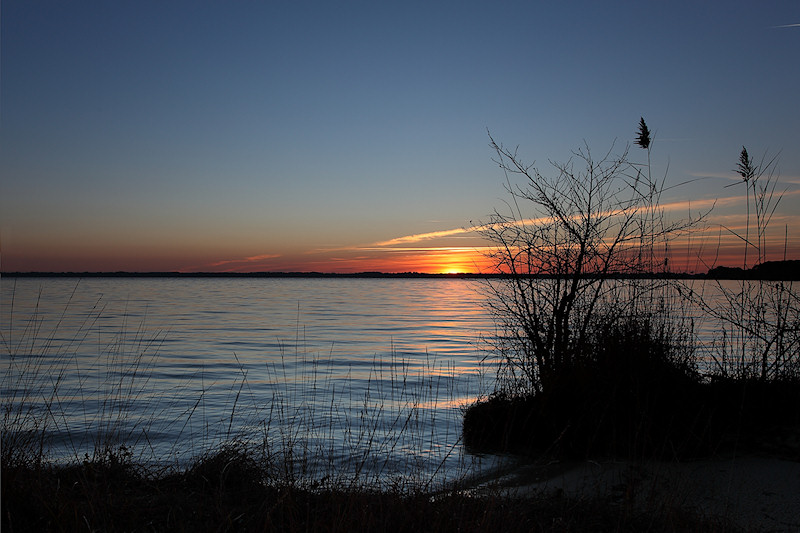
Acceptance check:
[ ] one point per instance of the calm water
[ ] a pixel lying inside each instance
(365, 375)
(333, 376)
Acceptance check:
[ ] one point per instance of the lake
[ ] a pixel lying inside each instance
(365, 376)
(355, 377)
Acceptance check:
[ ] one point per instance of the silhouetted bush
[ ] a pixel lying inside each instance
(639, 397)
(634, 392)
(576, 245)
(595, 355)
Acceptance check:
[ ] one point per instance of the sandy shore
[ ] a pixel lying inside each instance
(756, 493)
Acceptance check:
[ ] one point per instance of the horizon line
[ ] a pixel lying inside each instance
(364, 274)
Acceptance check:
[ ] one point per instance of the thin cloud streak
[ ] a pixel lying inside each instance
(718, 175)
(408, 239)
(251, 259)
(727, 201)
(736, 178)
(425, 249)
(427, 236)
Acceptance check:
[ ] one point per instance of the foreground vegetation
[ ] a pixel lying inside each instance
(228, 491)
(591, 362)
(636, 398)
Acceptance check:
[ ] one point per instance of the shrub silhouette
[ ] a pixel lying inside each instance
(631, 394)
(596, 354)
(589, 221)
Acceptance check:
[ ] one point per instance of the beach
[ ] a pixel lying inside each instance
(751, 492)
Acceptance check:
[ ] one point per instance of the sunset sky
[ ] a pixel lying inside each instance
(352, 136)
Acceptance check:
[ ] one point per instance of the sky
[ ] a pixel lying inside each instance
(353, 136)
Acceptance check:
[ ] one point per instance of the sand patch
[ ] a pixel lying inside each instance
(753, 492)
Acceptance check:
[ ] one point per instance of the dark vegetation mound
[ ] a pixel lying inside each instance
(635, 397)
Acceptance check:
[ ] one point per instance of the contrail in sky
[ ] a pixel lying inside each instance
(788, 26)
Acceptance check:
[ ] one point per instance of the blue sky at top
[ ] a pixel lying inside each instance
(176, 135)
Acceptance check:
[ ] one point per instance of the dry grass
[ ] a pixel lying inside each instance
(228, 491)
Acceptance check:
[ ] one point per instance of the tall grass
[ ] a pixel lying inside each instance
(70, 394)
(315, 428)
(758, 321)
(73, 391)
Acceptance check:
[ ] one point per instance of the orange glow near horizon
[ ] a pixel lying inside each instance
(430, 260)
(438, 252)
(694, 255)
(451, 261)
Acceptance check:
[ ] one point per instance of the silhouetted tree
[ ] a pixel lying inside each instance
(562, 237)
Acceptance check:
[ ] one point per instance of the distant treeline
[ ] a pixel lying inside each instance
(770, 270)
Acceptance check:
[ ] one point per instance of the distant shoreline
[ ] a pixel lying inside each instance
(770, 270)
(242, 275)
